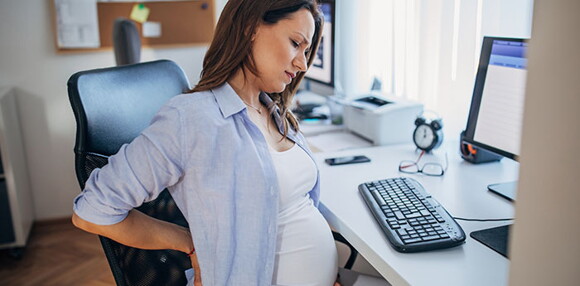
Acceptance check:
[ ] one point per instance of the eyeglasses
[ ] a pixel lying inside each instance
(429, 169)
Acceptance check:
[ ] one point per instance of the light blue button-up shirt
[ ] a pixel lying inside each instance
(215, 163)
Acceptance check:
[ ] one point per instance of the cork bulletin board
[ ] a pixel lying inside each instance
(183, 23)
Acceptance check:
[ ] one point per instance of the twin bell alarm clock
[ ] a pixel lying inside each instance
(428, 133)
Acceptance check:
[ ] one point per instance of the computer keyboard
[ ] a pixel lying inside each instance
(412, 220)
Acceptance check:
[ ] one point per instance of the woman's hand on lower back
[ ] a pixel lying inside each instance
(196, 270)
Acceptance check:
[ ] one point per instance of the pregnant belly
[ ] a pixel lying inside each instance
(306, 252)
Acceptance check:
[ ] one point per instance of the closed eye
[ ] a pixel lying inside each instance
(295, 44)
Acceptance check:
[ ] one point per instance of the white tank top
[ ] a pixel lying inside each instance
(305, 250)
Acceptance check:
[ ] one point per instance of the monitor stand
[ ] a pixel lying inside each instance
(497, 238)
(506, 190)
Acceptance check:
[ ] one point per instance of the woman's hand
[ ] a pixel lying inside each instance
(337, 282)
(196, 270)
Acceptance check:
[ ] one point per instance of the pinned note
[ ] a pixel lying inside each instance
(139, 13)
(151, 29)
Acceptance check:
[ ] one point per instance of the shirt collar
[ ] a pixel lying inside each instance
(230, 103)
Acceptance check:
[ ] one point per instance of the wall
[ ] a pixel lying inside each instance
(29, 62)
(544, 245)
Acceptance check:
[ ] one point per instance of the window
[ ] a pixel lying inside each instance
(428, 50)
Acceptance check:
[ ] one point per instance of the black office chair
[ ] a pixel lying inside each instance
(126, 42)
(112, 106)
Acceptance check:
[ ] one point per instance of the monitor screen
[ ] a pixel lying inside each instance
(322, 69)
(496, 113)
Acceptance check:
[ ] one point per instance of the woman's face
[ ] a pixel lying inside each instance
(280, 49)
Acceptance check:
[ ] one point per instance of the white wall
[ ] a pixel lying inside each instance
(544, 244)
(30, 63)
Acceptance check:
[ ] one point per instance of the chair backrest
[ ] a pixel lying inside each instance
(126, 42)
(111, 107)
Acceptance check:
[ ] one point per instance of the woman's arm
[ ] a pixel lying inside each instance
(141, 231)
(138, 173)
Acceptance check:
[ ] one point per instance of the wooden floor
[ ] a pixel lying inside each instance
(57, 254)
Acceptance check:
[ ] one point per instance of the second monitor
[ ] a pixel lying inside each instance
(322, 69)
(496, 113)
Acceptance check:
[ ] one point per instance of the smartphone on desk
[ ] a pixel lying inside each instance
(347, 160)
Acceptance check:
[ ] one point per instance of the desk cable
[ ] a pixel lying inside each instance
(483, 219)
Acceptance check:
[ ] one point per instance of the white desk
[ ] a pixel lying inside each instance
(462, 191)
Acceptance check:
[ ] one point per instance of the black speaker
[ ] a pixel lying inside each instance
(474, 154)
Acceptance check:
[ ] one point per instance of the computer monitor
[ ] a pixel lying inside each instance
(496, 116)
(496, 113)
(322, 69)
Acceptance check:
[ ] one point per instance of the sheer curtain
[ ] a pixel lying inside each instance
(428, 50)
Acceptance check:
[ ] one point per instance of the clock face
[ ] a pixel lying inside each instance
(424, 137)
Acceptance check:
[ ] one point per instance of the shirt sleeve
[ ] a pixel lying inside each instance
(136, 174)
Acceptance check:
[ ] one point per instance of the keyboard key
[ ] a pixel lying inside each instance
(379, 198)
(401, 232)
(414, 215)
(412, 240)
(414, 223)
(399, 215)
(425, 212)
(430, 237)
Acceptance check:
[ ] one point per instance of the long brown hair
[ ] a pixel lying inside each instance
(231, 47)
